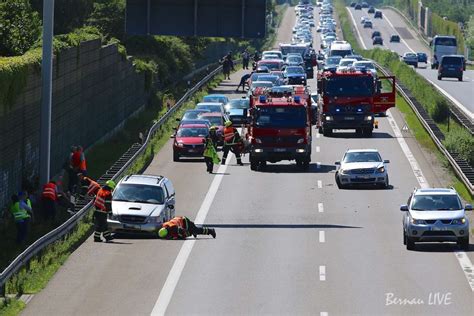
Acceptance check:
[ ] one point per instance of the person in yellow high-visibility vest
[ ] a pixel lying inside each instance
(21, 210)
(210, 149)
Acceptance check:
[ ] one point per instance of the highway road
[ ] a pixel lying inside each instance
(288, 243)
(461, 93)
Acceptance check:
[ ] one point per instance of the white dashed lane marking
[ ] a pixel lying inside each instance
(322, 236)
(320, 208)
(322, 273)
(320, 184)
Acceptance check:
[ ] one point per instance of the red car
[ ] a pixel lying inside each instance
(188, 141)
(216, 119)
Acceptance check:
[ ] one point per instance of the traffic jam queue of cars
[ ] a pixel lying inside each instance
(278, 114)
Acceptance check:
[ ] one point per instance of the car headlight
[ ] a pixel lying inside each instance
(368, 118)
(179, 144)
(381, 169)
(258, 140)
(417, 221)
(300, 141)
(302, 77)
(328, 118)
(459, 221)
(155, 220)
(343, 171)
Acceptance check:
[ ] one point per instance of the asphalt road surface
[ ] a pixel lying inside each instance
(461, 93)
(288, 243)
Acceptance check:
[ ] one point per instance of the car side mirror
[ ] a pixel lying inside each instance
(404, 208)
(337, 163)
(468, 207)
(386, 161)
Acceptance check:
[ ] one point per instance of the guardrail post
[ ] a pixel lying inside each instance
(3, 290)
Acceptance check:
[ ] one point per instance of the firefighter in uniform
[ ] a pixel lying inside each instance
(210, 149)
(103, 206)
(88, 186)
(49, 198)
(181, 227)
(232, 140)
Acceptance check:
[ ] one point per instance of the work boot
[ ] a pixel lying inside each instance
(239, 162)
(97, 240)
(212, 232)
(223, 161)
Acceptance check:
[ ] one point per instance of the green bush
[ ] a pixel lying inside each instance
(20, 27)
(109, 17)
(461, 141)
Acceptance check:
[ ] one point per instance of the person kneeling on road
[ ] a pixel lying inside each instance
(232, 140)
(243, 82)
(103, 206)
(181, 227)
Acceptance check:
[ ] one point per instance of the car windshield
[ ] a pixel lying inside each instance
(295, 70)
(346, 62)
(191, 115)
(350, 86)
(264, 84)
(238, 104)
(341, 53)
(210, 107)
(441, 202)
(366, 64)
(271, 66)
(362, 157)
(333, 60)
(272, 78)
(212, 98)
(280, 117)
(215, 120)
(295, 59)
(293, 49)
(192, 132)
(138, 193)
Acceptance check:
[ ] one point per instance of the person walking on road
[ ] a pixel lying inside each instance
(232, 141)
(227, 65)
(210, 149)
(88, 186)
(245, 59)
(181, 227)
(103, 206)
(21, 211)
(49, 198)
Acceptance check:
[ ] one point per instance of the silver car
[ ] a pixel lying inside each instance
(435, 215)
(141, 203)
(362, 166)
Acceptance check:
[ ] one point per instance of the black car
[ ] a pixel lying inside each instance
(365, 5)
(353, 4)
(375, 33)
(378, 14)
(377, 40)
(422, 57)
(367, 24)
(371, 10)
(451, 66)
(395, 39)
(357, 7)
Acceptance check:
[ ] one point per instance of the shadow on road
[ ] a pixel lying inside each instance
(293, 168)
(440, 247)
(366, 187)
(281, 226)
(354, 135)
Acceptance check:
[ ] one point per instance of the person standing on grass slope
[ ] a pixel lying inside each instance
(227, 65)
(21, 211)
(49, 198)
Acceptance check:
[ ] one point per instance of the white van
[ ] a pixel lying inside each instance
(340, 48)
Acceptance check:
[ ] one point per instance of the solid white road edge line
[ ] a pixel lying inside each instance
(357, 29)
(322, 273)
(320, 208)
(463, 259)
(323, 314)
(322, 236)
(178, 266)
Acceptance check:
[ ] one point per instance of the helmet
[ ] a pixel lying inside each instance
(228, 123)
(213, 128)
(111, 184)
(163, 232)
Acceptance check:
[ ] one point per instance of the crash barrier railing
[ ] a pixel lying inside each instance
(462, 168)
(114, 173)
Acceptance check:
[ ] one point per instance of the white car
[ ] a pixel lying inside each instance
(141, 203)
(346, 63)
(363, 167)
(367, 65)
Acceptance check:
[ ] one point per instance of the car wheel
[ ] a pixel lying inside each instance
(439, 77)
(338, 182)
(432, 66)
(415, 65)
(404, 238)
(386, 184)
(367, 132)
(320, 130)
(175, 156)
(327, 132)
(460, 78)
(410, 244)
(463, 243)
(253, 164)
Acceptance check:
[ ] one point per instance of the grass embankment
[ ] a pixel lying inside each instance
(457, 138)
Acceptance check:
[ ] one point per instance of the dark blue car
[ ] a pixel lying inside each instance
(295, 75)
(422, 57)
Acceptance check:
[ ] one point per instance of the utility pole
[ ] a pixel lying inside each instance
(46, 93)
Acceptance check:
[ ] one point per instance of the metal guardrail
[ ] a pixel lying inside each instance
(115, 172)
(460, 166)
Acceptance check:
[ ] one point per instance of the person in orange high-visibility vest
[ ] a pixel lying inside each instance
(88, 186)
(103, 206)
(232, 141)
(49, 198)
(181, 227)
